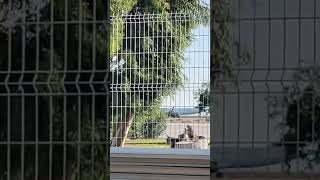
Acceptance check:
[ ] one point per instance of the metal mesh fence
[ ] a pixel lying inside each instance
(53, 99)
(266, 116)
(160, 81)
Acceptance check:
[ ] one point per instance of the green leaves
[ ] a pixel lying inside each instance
(153, 49)
(196, 8)
(121, 7)
(116, 35)
(202, 96)
(299, 105)
(149, 122)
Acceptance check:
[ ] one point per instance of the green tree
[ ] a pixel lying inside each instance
(143, 35)
(81, 49)
(202, 96)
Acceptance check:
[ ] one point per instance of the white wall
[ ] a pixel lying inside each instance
(248, 112)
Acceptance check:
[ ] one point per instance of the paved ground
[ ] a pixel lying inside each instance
(268, 178)
(155, 177)
(167, 177)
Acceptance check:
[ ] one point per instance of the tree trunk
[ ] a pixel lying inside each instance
(122, 131)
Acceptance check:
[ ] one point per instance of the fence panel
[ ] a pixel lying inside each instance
(157, 77)
(53, 98)
(266, 115)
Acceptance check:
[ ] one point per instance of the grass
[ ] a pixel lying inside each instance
(147, 143)
(166, 146)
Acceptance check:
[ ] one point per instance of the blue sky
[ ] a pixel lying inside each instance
(196, 70)
(206, 1)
